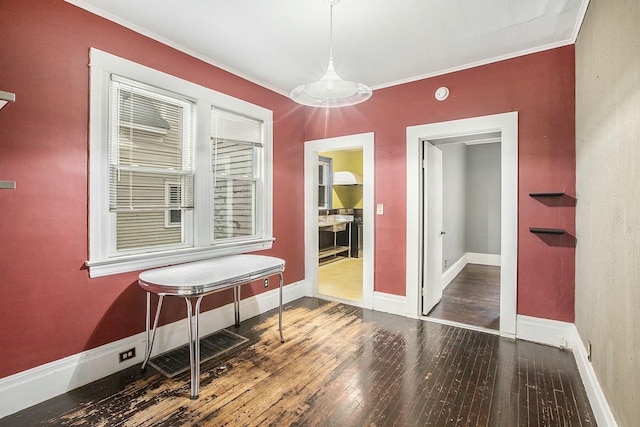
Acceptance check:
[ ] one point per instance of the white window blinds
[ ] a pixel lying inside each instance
(236, 149)
(151, 149)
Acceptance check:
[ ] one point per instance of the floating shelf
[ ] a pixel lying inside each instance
(546, 194)
(546, 230)
(6, 97)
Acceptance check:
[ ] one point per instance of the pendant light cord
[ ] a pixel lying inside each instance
(331, 3)
(331, 90)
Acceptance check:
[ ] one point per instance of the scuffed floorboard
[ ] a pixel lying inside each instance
(342, 366)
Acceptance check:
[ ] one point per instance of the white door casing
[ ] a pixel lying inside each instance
(507, 125)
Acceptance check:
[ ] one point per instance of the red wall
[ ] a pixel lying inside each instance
(541, 88)
(49, 307)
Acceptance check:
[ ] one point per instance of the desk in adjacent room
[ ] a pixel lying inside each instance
(197, 280)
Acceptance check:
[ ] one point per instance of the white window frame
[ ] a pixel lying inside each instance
(103, 259)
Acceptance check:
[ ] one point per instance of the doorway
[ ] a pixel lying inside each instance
(461, 220)
(314, 221)
(340, 216)
(507, 126)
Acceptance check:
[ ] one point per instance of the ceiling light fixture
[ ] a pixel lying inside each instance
(331, 90)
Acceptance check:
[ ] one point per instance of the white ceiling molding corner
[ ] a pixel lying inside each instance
(281, 44)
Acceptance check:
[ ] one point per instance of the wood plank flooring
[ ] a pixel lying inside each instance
(341, 279)
(342, 366)
(472, 298)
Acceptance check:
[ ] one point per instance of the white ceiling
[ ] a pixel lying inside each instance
(281, 44)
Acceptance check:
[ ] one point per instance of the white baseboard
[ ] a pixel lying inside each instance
(565, 335)
(468, 258)
(544, 331)
(484, 259)
(454, 270)
(27, 388)
(599, 404)
(389, 303)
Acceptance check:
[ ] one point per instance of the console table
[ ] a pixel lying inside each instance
(197, 280)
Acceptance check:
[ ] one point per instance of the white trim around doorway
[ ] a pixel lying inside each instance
(311, 150)
(507, 124)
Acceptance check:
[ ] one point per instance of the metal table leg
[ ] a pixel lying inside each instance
(149, 344)
(194, 345)
(280, 310)
(191, 349)
(236, 304)
(195, 382)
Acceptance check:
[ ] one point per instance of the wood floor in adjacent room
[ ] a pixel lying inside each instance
(342, 366)
(341, 279)
(472, 298)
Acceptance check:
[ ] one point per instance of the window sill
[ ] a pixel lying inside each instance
(100, 268)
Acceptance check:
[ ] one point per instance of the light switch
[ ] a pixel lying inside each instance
(380, 209)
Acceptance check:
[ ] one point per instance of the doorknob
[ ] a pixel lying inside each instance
(443, 232)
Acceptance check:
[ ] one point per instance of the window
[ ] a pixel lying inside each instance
(236, 148)
(178, 172)
(325, 178)
(151, 170)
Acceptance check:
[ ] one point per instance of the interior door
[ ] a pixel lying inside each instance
(432, 227)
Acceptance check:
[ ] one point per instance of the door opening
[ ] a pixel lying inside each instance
(334, 229)
(506, 126)
(340, 219)
(462, 230)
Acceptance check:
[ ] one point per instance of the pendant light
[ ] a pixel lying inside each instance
(331, 90)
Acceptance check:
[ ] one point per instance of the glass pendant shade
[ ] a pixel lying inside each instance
(331, 90)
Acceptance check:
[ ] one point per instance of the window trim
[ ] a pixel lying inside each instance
(101, 262)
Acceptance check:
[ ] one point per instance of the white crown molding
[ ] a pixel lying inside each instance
(476, 64)
(583, 12)
(140, 30)
(145, 32)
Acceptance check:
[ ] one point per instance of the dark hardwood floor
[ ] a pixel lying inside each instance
(472, 298)
(342, 366)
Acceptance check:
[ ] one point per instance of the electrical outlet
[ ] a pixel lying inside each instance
(589, 351)
(445, 263)
(266, 282)
(128, 354)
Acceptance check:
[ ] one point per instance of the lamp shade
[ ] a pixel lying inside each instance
(331, 91)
